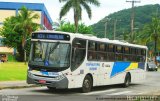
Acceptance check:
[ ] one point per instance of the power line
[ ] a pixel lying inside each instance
(132, 16)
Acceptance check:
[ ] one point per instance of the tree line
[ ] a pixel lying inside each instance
(17, 30)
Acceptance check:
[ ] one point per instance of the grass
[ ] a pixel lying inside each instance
(13, 71)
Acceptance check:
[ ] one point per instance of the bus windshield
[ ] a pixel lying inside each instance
(50, 54)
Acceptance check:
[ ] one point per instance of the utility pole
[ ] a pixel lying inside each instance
(132, 17)
(105, 31)
(105, 25)
(115, 28)
(114, 32)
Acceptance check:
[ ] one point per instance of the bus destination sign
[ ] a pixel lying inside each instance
(51, 36)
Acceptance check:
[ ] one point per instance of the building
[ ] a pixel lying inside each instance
(8, 9)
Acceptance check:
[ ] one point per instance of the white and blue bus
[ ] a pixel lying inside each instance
(68, 60)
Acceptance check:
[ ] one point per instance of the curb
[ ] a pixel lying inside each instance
(18, 87)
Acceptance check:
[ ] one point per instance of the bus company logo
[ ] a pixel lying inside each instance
(92, 68)
(93, 64)
(105, 65)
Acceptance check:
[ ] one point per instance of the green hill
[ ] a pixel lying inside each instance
(143, 15)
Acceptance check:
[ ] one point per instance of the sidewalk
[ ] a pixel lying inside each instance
(15, 84)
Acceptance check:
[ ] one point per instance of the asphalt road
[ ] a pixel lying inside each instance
(151, 86)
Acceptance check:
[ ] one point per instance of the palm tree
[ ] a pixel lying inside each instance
(151, 33)
(135, 39)
(59, 23)
(25, 23)
(77, 5)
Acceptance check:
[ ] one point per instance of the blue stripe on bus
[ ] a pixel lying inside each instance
(119, 67)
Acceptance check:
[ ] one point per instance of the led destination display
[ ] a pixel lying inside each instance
(51, 36)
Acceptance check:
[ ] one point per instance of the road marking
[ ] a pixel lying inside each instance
(120, 93)
(97, 92)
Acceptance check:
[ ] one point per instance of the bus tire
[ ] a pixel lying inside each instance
(87, 84)
(127, 80)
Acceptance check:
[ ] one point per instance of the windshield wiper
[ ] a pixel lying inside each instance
(52, 49)
(40, 46)
(55, 46)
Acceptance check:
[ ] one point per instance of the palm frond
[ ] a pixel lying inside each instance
(62, 1)
(65, 9)
(93, 2)
(88, 9)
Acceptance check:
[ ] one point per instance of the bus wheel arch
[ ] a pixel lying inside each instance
(127, 80)
(87, 83)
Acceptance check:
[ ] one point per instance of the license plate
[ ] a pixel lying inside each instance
(42, 81)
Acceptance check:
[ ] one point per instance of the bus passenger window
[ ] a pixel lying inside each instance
(91, 45)
(78, 53)
(102, 57)
(111, 48)
(90, 56)
(126, 54)
(102, 47)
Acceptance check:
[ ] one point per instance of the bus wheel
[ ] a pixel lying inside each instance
(127, 80)
(87, 84)
(51, 88)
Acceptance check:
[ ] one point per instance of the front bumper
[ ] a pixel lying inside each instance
(152, 69)
(51, 82)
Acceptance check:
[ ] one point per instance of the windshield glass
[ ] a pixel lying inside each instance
(152, 64)
(50, 54)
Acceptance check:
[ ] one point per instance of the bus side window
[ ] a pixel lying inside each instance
(78, 53)
(126, 55)
(119, 53)
(111, 52)
(133, 57)
(102, 52)
(91, 55)
(92, 46)
(143, 52)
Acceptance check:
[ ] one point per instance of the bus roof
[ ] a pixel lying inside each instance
(94, 38)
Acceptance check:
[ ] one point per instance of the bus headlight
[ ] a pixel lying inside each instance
(30, 74)
(28, 68)
(60, 77)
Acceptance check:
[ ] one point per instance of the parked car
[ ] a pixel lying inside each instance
(151, 66)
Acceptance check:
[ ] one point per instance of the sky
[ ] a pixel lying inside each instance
(106, 7)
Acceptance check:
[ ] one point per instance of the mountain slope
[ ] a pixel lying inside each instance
(143, 15)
